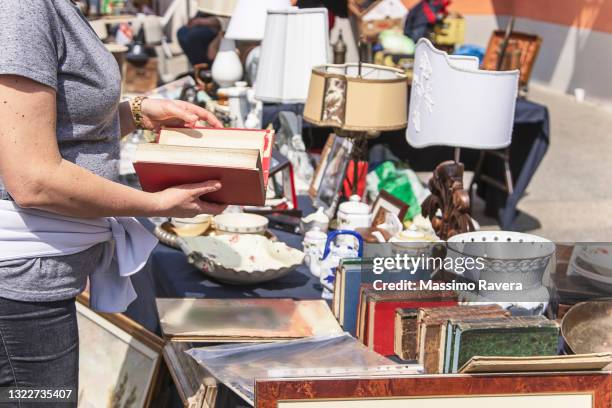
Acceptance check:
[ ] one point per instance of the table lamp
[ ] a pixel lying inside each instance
(357, 98)
(453, 103)
(295, 40)
(358, 101)
(248, 22)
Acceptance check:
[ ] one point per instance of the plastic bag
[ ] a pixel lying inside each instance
(397, 184)
(238, 365)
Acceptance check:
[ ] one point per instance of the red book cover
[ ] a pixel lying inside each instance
(381, 321)
(239, 186)
(267, 147)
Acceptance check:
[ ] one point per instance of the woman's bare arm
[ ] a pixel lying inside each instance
(36, 175)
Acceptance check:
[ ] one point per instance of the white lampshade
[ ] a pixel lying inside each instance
(295, 41)
(223, 8)
(248, 21)
(453, 103)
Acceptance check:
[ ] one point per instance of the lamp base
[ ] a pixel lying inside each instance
(448, 196)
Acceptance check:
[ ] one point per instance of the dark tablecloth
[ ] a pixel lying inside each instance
(530, 140)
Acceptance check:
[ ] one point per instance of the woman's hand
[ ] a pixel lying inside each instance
(184, 201)
(161, 112)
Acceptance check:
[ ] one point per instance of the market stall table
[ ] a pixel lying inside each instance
(168, 274)
(530, 141)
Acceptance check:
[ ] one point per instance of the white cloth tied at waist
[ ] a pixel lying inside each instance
(29, 233)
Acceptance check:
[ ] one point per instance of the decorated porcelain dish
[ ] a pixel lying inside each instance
(240, 223)
(166, 233)
(242, 259)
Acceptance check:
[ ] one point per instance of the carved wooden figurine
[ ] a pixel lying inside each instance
(448, 196)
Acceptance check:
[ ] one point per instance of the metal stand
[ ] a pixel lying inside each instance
(504, 155)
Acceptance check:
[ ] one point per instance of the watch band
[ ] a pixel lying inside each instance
(136, 108)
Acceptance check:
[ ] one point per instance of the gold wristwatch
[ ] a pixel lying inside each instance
(136, 108)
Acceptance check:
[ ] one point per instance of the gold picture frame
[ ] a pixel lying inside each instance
(119, 360)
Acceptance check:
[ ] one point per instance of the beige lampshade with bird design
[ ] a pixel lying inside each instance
(353, 97)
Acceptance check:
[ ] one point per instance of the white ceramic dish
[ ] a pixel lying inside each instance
(507, 256)
(191, 227)
(599, 257)
(240, 223)
(242, 259)
(595, 279)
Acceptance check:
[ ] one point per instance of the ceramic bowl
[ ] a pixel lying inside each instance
(242, 259)
(507, 256)
(240, 223)
(599, 281)
(191, 227)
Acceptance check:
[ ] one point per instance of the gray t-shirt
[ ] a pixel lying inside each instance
(51, 42)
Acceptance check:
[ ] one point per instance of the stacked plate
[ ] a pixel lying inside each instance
(593, 262)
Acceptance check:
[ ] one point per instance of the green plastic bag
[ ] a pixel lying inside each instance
(398, 185)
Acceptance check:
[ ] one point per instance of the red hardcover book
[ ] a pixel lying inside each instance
(238, 158)
(380, 313)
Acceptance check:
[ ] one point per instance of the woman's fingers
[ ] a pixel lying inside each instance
(181, 112)
(198, 189)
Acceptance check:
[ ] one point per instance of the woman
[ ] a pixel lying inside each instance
(60, 125)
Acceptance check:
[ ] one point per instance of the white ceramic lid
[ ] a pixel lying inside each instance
(241, 222)
(354, 206)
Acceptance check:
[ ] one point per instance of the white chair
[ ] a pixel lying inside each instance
(453, 103)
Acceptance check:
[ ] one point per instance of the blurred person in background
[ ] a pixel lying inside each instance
(201, 37)
(335, 8)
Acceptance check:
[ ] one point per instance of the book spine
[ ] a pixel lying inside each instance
(431, 351)
(447, 346)
(408, 343)
(456, 346)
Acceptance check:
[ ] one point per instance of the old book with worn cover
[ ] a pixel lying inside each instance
(238, 158)
(431, 331)
(244, 320)
(576, 362)
(346, 292)
(511, 336)
(405, 334)
(380, 313)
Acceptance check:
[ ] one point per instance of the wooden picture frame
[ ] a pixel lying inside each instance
(315, 183)
(529, 390)
(330, 173)
(195, 386)
(111, 347)
(385, 202)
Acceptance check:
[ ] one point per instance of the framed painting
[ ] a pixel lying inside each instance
(530, 390)
(386, 203)
(119, 360)
(329, 174)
